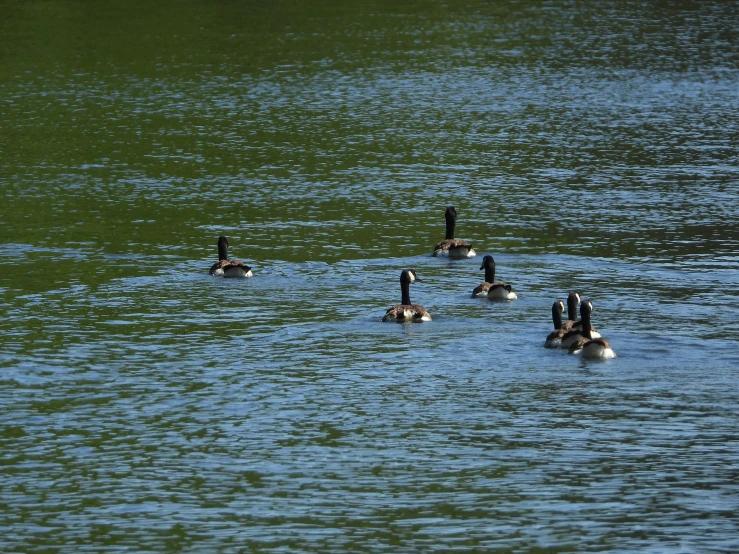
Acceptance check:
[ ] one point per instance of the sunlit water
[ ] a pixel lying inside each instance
(146, 406)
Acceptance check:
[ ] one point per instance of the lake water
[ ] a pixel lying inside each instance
(147, 407)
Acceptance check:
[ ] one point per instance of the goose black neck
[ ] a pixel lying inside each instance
(585, 317)
(572, 307)
(451, 221)
(222, 248)
(556, 316)
(405, 289)
(489, 271)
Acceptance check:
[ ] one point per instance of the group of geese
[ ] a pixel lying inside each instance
(576, 336)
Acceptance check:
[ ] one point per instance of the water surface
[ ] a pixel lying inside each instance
(149, 407)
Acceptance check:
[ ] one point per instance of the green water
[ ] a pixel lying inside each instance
(147, 407)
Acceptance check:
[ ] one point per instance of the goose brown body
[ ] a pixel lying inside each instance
(407, 312)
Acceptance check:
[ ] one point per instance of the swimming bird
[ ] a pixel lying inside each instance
(587, 346)
(573, 300)
(451, 247)
(488, 264)
(228, 268)
(495, 290)
(554, 339)
(405, 311)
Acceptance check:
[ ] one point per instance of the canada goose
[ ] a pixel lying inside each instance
(450, 246)
(495, 290)
(554, 339)
(588, 347)
(573, 299)
(228, 268)
(488, 264)
(405, 311)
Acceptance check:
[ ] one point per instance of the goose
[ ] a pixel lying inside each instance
(405, 311)
(491, 288)
(554, 339)
(228, 268)
(573, 299)
(451, 247)
(488, 264)
(587, 346)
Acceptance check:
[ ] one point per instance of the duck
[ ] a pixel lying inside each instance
(451, 247)
(587, 346)
(573, 300)
(554, 339)
(491, 288)
(405, 311)
(228, 268)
